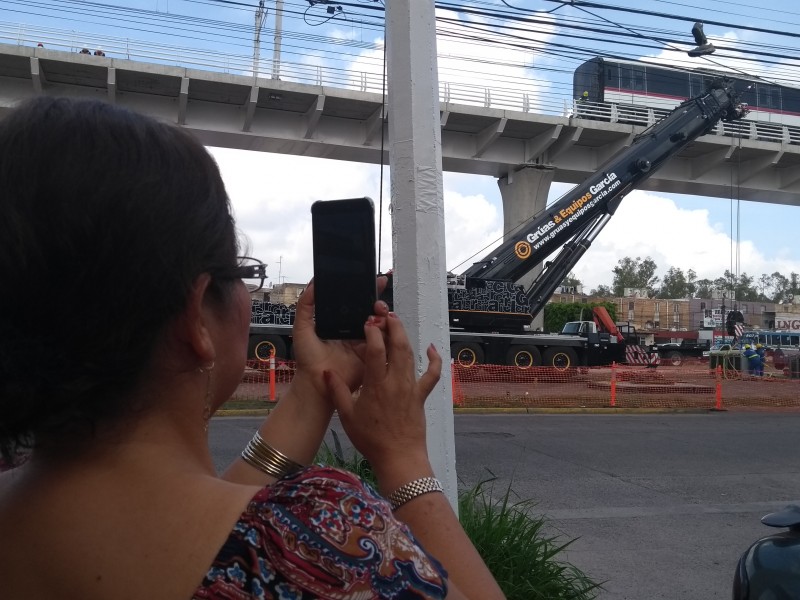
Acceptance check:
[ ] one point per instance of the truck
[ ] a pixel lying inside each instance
(674, 353)
(490, 314)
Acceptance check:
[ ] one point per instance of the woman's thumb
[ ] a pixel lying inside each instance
(339, 393)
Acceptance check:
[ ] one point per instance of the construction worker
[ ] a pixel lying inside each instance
(749, 358)
(581, 104)
(762, 358)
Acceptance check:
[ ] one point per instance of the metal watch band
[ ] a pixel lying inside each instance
(412, 489)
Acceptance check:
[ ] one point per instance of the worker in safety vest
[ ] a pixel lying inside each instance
(581, 103)
(750, 358)
(762, 358)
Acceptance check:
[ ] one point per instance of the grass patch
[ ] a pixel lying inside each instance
(511, 540)
(355, 463)
(246, 404)
(522, 557)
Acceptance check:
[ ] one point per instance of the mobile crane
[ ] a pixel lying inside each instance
(490, 314)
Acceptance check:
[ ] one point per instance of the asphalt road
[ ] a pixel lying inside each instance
(662, 505)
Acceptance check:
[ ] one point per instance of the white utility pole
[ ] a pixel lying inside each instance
(276, 48)
(415, 155)
(261, 15)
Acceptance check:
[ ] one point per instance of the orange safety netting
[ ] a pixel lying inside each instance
(692, 384)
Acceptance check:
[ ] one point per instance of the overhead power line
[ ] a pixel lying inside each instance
(652, 13)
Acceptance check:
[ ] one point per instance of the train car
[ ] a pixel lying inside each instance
(639, 83)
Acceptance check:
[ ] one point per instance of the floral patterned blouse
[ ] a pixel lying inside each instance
(321, 533)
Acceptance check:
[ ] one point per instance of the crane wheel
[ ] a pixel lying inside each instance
(560, 359)
(264, 346)
(466, 354)
(675, 358)
(524, 357)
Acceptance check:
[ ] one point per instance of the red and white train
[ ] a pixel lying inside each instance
(634, 83)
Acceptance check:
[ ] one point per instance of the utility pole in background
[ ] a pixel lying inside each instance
(276, 50)
(261, 16)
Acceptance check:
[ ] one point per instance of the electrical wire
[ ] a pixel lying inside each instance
(497, 27)
(634, 32)
(582, 4)
(241, 6)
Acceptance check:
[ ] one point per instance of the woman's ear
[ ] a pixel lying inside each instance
(195, 327)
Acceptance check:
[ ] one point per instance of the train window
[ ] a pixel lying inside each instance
(666, 82)
(638, 78)
(695, 84)
(791, 100)
(769, 96)
(631, 78)
(612, 75)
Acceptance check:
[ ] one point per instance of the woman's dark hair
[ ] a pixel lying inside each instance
(106, 219)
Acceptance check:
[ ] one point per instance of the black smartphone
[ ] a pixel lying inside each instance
(345, 270)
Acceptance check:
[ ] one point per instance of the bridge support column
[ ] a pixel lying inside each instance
(524, 195)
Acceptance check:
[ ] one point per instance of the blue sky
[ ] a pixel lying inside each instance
(272, 208)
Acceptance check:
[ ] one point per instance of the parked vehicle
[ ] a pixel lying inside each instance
(675, 353)
(770, 567)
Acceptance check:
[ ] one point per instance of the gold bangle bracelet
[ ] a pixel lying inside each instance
(260, 455)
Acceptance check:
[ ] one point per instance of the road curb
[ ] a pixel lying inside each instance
(245, 412)
(577, 410)
(263, 412)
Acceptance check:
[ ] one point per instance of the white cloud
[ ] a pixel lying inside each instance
(647, 224)
(468, 67)
(473, 225)
(272, 195)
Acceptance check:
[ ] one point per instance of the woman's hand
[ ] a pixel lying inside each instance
(298, 423)
(386, 421)
(315, 356)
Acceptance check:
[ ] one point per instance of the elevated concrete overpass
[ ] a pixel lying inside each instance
(524, 150)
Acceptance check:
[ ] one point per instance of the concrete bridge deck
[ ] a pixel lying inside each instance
(270, 115)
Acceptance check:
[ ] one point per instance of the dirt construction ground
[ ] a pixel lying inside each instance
(689, 386)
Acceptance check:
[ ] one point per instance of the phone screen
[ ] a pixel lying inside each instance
(344, 266)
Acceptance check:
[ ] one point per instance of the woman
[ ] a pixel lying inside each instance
(123, 327)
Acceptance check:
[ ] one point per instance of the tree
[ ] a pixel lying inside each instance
(571, 280)
(691, 279)
(602, 291)
(766, 287)
(785, 288)
(675, 284)
(704, 288)
(794, 284)
(634, 273)
(781, 287)
(558, 313)
(745, 288)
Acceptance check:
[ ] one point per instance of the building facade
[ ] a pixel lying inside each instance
(661, 319)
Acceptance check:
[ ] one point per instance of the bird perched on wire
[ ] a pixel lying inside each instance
(703, 47)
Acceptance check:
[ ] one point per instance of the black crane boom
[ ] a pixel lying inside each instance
(578, 211)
